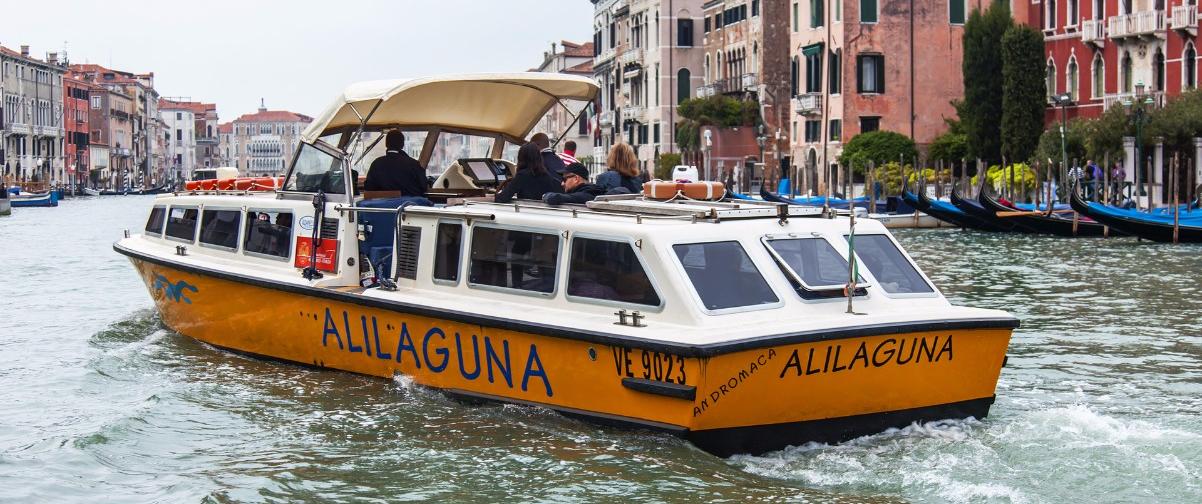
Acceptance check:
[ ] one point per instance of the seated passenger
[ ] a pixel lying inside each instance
(551, 160)
(623, 171)
(395, 170)
(577, 189)
(532, 180)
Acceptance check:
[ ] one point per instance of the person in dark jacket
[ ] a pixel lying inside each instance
(551, 160)
(395, 170)
(577, 189)
(532, 180)
(623, 170)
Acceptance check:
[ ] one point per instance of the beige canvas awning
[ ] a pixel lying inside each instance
(508, 104)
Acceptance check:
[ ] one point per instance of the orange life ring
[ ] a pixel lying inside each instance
(666, 189)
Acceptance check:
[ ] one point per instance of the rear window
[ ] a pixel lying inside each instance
(268, 233)
(609, 271)
(181, 223)
(894, 273)
(723, 275)
(219, 228)
(154, 225)
(513, 259)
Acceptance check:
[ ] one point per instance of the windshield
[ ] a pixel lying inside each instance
(452, 147)
(371, 147)
(314, 170)
(892, 270)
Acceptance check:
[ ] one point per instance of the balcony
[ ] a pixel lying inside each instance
(1138, 24)
(1185, 18)
(1116, 100)
(634, 113)
(605, 56)
(207, 140)
(1093, 31)
(632, 56)
(706, 91)
(606, 119)
(750, 81)
(808, 104)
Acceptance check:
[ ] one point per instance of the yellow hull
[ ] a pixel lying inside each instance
(744, 397)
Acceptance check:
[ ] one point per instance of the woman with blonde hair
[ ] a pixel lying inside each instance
(623, 170)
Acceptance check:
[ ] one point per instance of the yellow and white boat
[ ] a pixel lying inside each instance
(725, 323)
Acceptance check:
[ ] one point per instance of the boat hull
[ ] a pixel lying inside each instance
(740, 397)
(47, 199)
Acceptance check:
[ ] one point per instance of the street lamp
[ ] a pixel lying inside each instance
(761, 140)
(1063, 101)
(1138, 111)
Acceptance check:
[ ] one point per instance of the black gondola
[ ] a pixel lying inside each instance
(1149, 228)
(974, 209)
(1044, 223)
(969, 220)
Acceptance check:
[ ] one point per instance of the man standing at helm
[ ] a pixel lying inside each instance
(395, 170)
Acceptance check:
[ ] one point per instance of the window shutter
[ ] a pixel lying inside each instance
(880, 73)
(956, 11)
(867, 11)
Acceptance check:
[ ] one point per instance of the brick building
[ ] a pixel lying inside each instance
(125, 119)
(77, 130)
(647, 59)
(746, 45)
(866, 65)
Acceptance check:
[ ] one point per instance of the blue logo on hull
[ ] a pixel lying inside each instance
(173, 291)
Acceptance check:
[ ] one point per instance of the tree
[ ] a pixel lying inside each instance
(949, 147)
(982, 69)
(1048, 143)
(1178, 123)
(879, 147)
(1024, 97)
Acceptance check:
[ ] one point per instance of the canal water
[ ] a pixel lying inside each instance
(1100, 401)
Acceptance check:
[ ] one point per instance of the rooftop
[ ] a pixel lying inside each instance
(264, 115)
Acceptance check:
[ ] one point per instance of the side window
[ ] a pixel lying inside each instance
(813, 260)
(219, 228)
(448, 249)
(513, 259)
(154, 225)
(723, 275)
(609, 270)
(268, 233)
(181, 223)
(892, 270)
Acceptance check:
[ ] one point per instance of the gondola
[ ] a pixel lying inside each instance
(990, 218)
(1155, 227)
(1046, 223)
(944, 211)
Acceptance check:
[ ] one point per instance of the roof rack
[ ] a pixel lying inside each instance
(698, 209)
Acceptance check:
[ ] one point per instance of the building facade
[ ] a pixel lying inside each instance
(867, 65)
(77, 99)
(647, 59)
(129, 125)
(746, 45)
(575, 125)
(262, 143)
(179, 136)
(31, 126)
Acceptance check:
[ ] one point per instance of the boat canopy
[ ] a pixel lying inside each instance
(507, 104)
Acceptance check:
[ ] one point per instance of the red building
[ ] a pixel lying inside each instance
(1104, 52)
(76, 130)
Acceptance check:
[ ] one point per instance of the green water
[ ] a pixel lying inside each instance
(101, 403)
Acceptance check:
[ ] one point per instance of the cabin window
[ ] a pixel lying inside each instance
(893, 272)
(609, 271)
(512, 259)
(268, 234)
(154, 225)
(448, 248)
(812, 265)
(723, 275)
(219, 228)
(314, 170)
(181, 223)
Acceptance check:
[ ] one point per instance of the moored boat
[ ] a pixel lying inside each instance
(982, 215)
(1185, 226)
(42, 199)
(1052, 223)
(723, 322)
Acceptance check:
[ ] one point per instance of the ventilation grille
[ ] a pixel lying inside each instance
(329, 228)
(406, 254)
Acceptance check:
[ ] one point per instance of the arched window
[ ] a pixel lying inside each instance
(683, 85)
(793, 77)
(1125, 71)
(1190, 66)
(719, 74)
(708, 76)
(1098, 76)
(1051, 79)
(1158, 71)
(1071, 75)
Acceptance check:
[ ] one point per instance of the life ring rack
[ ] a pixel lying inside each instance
(236, 184)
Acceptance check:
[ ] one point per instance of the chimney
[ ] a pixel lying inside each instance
(25, 51)
(52, 58)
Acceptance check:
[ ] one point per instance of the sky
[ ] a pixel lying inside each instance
(295, 55)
